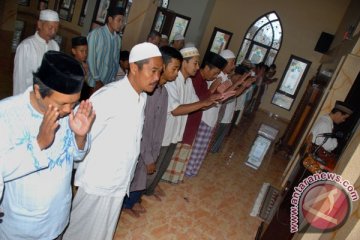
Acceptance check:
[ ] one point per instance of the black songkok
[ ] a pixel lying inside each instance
(61, 72)
(216, 60)
(78, 41)
(240, 69)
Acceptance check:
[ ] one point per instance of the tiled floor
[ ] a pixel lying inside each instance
(216, 203)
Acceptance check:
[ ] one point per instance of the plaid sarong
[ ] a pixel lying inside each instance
(176, 170)
(199, 150)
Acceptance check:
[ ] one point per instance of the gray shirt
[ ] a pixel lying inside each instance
(152, 136)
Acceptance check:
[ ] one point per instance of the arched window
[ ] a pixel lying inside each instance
(262, 41)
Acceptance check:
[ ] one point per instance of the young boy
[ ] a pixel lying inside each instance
(79, 50)
(124, 65)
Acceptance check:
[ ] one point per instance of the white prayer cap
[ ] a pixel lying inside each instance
(189, 44)
(227, 54)
(189, 52)
(178, 36)
(345, 108)
(49, 15)
(164, 36)
(143, 51)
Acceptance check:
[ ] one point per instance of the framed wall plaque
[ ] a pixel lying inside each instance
(219, 40)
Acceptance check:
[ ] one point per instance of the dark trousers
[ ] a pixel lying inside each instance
(220, 136)
(134, 197)
(162, 164)
(233, 121)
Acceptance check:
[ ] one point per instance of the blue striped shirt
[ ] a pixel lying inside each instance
(104, 53)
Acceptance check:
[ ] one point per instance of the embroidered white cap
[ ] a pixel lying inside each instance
(227, 54)
(143, 51)
(49, 15)
(189, 52)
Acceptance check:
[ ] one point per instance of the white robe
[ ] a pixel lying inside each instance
(37, 195)
(324, 125)
(28, 59)
(109, 167)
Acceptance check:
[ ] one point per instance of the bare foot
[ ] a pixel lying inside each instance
(139, 208)
(157, 197)
(131, 212)
(159, 191)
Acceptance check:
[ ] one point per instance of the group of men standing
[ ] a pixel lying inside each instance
(123, 149)
(157, 122)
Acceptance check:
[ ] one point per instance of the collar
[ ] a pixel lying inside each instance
(223, 76)
(181, 76)
(108, 30)
(40, 39)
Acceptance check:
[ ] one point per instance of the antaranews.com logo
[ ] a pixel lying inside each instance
(321, 203)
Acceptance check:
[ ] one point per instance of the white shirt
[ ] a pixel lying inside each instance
(324, 125)
(229, 110)
(210, 116)
(28, 59)
(240, 101)
(37, 194)
(109, 167)
(229, 104)
(180, 92)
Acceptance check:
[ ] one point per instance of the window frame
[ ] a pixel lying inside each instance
(298, 86)
(253, 41)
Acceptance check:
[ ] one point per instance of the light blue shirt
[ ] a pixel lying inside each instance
(104, 55)
(37, 194)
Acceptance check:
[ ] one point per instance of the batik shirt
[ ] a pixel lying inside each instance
(37, 195)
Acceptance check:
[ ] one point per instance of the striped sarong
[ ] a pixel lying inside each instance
(176, 170)
(199, 150)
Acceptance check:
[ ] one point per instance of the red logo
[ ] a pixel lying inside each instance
(325, 206)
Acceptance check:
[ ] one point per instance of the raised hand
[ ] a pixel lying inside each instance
(242, 79)
(224, 86)
(249, 81)
(226, 95)
(82, 120)
(215, 84)
(213, 99)
(48, 127)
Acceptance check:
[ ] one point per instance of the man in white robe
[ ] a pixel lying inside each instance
(31, 51)
(40, 138)
(325, 125)
(105, 176)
